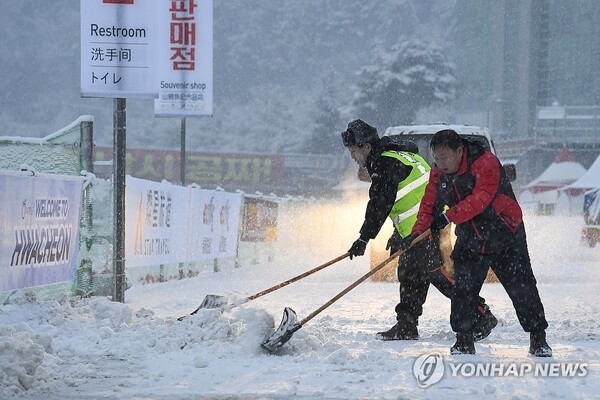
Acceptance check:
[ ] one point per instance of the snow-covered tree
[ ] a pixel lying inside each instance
(327, 122)
(410, 76)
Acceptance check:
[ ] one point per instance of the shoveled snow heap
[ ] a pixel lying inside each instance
(99, 328)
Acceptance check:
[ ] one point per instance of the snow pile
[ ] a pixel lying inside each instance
(20, 358)
(98, 327)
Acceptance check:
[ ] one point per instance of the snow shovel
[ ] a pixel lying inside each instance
(289, 322)
(217, 301)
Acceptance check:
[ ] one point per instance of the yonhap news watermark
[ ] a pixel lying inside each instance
(429, 369)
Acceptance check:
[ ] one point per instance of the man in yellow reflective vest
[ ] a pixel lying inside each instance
(398, 180)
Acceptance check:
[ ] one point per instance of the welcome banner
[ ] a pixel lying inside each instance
(39, 234)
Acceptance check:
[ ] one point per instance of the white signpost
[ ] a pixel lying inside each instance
(145, 48)
(160, 49)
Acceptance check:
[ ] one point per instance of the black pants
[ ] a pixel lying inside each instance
(512, 266)
(417, 268)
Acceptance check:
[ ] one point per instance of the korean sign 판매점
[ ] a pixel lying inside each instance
(185, 63)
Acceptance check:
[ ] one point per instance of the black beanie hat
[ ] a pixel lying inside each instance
(359, 133)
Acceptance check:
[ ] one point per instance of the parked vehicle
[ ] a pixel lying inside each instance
(421, 135)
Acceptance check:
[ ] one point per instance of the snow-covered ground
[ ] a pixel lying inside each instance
(95, 348)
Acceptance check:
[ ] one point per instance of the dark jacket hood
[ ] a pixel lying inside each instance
(472, 151)
(393, 143)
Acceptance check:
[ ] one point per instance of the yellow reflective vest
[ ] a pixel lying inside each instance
(410, 191)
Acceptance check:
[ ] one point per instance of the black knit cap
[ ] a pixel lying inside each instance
(359, 133)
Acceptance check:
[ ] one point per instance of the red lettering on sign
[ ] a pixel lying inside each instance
(183, 35)
(183, 6)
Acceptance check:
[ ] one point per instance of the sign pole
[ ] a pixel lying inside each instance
(182, 170)
(119, 152)
(182, 157)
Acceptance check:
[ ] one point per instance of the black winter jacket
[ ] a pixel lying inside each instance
(386, 174)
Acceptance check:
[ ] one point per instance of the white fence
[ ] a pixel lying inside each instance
(305, 228)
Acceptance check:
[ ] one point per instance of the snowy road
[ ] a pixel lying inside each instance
(99, 349)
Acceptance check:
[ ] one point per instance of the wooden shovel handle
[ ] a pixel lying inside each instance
(297, 278)
(365, 277)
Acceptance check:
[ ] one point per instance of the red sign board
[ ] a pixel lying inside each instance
(228, 170)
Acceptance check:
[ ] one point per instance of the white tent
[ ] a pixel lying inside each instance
(590, 180)
(570, 197)
(543, 192)
(556, 176)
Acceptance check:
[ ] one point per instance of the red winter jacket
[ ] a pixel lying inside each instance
(481, 203)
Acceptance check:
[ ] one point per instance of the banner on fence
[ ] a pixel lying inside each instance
(40, 229)
(260, 220)
(155, 222)
(214, 224)
(167, 224)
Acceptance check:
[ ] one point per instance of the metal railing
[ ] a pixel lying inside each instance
(567, 124)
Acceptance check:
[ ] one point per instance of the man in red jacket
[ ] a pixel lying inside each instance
(489, 233)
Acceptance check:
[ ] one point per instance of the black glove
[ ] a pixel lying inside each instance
(358, 248)
(393, 242)
(406, 242)
(439, 223)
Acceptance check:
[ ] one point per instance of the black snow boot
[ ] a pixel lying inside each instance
(538, 345)
(405, 329)
(484, 324)
(465, 344)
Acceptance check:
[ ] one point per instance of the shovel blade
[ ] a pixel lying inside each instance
(289, 325)
(210, 301)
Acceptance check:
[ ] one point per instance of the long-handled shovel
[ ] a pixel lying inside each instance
(217, 301)
(289, 322)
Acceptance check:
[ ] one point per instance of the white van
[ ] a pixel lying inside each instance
(421, 135)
